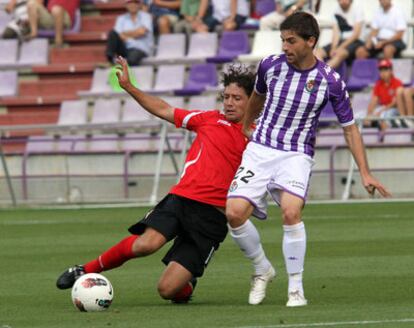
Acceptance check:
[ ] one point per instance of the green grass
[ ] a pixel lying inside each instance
(359, 266)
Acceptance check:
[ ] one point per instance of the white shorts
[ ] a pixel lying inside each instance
(266, 170)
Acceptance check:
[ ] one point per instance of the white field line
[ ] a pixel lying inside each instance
(333, 324)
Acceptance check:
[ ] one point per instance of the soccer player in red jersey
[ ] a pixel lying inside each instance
(193, 212)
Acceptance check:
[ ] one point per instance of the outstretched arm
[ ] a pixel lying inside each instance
(356, 146)
(153, 105)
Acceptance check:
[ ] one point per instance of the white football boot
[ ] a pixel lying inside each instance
(258, 286)
(296, 298)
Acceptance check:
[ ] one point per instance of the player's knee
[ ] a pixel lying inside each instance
(235, 216)
(291, 215)
(165, 290)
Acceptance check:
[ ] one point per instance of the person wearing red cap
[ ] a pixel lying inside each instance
(57, 14)
(383, 102)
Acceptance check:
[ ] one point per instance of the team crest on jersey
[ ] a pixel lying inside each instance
(233, 186)
(310, 86)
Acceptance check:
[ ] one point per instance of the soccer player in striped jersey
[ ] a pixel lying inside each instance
(290, 91)
(193, 212)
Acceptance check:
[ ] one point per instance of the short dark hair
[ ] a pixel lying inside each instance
(241, 75)
(303, 24)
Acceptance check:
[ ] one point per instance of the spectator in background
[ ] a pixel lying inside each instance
(387, 30)
(284, 8)
(349, 22)
(57, 14)
(18, 27)
(132, 36)
(230, 14)
(383, 102)
(166, 13)
(193, 12)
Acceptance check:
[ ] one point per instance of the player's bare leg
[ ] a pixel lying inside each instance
(176, 283)
(294, 246)
(245, 234)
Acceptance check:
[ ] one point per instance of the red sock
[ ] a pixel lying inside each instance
(113, 257)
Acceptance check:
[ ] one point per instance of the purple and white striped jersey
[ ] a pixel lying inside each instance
(294, 100)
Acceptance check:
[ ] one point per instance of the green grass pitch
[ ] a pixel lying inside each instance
(359, 271)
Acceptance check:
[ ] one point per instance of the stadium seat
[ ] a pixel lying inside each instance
(5, 18)
(177, 102)
(370, 135)
(360, 102)
(169, 78)
(76, 27)
(100, 84)
(330, 137)
(204, 102)
(264, 7)
(201, 46)
(170, 48)
(232, 44)
(403, 70)
(49, 144)
(102, 143)
(34, 52)
(364, 73)
(8, 83)
(8, 58)
(265, 43)
(73, 112)
(139, 142)
(144, 77)
(398, 136)
(106, 111)
(202, 77)
(133, 112)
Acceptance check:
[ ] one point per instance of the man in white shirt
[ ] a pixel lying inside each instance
(347, 30)
(387, 30)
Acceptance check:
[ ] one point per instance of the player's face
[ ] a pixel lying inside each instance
(295, 47)
(235, 102)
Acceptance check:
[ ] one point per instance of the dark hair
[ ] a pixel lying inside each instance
(303, 24)
(241, 75)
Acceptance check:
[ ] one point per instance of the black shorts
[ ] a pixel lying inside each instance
(398, 44)
(351, 48)
(198, 229)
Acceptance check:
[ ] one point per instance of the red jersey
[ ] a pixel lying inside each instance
(69, 5)
(386, 92)
(213, 157)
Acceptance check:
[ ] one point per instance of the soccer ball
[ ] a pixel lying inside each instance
(92, 292)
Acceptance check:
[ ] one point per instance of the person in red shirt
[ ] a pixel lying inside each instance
(383, 102)
(193, 212)
(58, 14)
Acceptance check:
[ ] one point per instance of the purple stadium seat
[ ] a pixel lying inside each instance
(34, 52)
(170, 48)
(144, 76)
(370, 135)
(177, 102)
(330, 137)
(205, 102)
(264, 7)
(8, 58)
(8, 83)
(232, 44)
(398, 135)
(403, 70)
(201, 78)
(169, 78)
(100, 84)
(73, 112)
(364, 73)
(106, 111)
(76, 27)
(140, 142)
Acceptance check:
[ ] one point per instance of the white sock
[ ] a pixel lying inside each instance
(294, 249)
(248, 239)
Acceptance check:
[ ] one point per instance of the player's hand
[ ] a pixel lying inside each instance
(122, 73)
(371, 184)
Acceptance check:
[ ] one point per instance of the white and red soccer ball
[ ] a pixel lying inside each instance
(92, 292)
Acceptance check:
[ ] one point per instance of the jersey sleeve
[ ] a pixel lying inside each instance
(189, 119)
(339, 97)
(260, 85)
